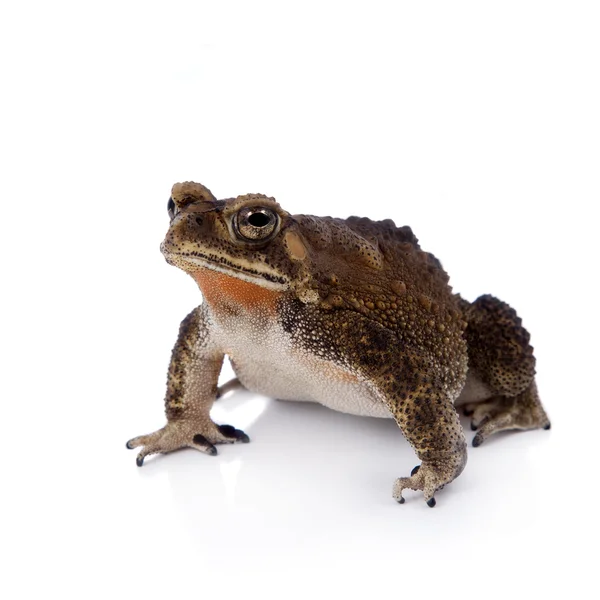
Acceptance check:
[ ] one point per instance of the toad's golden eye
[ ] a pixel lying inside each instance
(255, 223)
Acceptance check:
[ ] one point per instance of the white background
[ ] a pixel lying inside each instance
(477, 123)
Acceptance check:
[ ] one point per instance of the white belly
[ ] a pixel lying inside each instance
(265, 362)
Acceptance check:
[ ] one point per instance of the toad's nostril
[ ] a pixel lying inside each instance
(199, 221)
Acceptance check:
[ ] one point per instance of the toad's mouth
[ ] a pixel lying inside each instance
(260, 274)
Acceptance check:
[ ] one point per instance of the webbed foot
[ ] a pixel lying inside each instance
(523, 411)
(421, 478)
(186, 434)
(430, 477)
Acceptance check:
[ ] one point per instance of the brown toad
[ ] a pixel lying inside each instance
(348, 313)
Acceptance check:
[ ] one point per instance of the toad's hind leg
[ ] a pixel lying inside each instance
(501, 357)
(523, 411)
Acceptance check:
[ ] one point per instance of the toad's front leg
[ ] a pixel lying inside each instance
(426, 415)
(419, 393)
(417, 387)
(191, 390)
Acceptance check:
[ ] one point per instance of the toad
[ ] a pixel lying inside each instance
(350, 313)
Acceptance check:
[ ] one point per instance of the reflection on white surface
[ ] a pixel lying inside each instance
(332, 474)
(229, 472)
(243, 411)
(310, 498)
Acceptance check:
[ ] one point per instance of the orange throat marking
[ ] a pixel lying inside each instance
(227, 292)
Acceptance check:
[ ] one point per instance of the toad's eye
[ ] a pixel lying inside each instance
(255, 223)
(171, 208)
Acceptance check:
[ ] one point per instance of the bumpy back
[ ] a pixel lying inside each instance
(380, 271)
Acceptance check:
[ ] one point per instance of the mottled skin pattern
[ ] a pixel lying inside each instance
(349, 313)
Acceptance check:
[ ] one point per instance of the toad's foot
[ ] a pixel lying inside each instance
(186, 434)
(430, 477)
(523, 411)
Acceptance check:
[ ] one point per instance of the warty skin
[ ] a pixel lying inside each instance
(348, 313)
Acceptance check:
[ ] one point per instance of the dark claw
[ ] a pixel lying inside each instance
(139, 461)
(401, 501)
(431, 502)
(477, 441)
(546, 427)
(232, 432)
(415, 470)
(467, 412)
(473, 426)
(200, 440)
(227, 430)
(128, 446)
